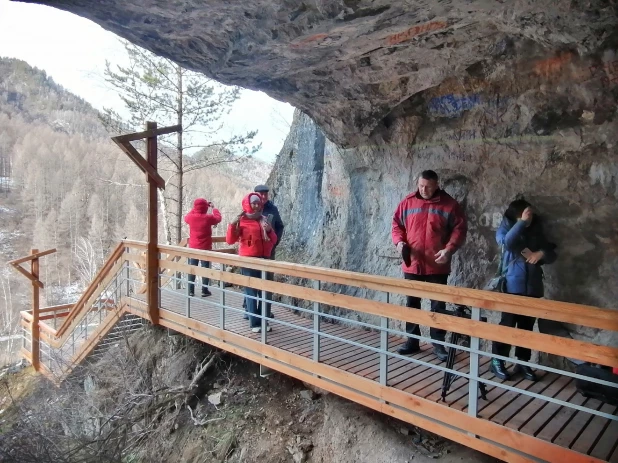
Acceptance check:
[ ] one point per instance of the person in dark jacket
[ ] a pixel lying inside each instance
(525, 251)
(256, 238)
(428, 227)
(200, 237)
(270, 210)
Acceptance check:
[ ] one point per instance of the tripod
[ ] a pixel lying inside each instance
(450, 377)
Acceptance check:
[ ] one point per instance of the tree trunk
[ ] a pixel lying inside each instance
(179, 148)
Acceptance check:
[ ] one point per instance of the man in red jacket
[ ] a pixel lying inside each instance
(200, 237)
(428, 227)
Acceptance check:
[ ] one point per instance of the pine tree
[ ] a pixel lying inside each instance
(157, 89)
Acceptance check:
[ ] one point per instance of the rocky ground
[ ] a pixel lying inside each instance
(238, 416)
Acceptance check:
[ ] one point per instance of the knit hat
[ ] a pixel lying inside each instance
(255, 199)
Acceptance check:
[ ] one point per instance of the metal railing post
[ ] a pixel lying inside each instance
(473, 384)
(316, 325)
(128, 276)
(222, 300)
(384, 346)
(263, 309)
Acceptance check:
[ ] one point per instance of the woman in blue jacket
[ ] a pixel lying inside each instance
(525, 251)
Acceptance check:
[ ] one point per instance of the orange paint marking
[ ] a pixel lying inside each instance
(414, 31)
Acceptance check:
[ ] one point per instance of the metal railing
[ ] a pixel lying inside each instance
(348, 326)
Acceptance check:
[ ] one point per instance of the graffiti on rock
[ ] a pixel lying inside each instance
(414, 31)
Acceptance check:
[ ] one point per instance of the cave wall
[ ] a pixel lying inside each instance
(548, 132)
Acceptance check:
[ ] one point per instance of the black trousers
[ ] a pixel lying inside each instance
(436, 306)
(511, 320)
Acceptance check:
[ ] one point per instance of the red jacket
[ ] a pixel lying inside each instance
(200, 224)
(428, 226)
(250, 235)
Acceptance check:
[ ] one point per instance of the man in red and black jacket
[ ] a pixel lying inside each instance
(428, 227)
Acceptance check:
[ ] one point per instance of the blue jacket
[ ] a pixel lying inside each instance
(523, 278)
(277, 223)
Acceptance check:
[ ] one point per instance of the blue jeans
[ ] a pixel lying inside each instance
(205, 280)
(250, 294)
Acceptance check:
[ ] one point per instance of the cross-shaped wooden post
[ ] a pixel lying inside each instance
(148, 165)
(33, 276)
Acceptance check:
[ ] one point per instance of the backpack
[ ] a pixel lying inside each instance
(600, 392)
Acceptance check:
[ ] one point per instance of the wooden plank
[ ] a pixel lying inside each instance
(505, 397)
(458, 386)
(152, 254)
(546, 413)
(30, 257)
(147, 134)
(496, 433)
(561, 419)
(607, 443)
(56, 308)
(536, 341)
(576, 424)
(533, 407)
(363, 368)
(593, 432)
(540, 308)
(28, 275)
(395, 364)
(34, 271)
(520, 402)
(140, 162)
(84, 307)
(437, 378)
(416, 420)
(94, 285)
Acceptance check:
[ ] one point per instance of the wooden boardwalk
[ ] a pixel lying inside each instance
(568, 428)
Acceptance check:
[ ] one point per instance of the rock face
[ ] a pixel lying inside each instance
(338, 203)
(350, 63)
(501, 98)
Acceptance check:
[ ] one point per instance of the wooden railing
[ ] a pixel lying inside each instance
(308, 285)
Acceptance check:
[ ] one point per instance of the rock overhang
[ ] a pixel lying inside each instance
(353, 65)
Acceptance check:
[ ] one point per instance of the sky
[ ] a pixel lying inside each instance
(72, 50)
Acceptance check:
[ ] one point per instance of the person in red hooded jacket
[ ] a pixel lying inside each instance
(200, 237)
(428, 227)
(256, 238)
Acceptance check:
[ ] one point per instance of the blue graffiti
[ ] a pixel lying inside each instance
(453, 105)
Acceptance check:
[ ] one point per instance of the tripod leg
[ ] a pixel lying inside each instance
(483, 390)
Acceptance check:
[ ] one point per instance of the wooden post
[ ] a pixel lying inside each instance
(152, 256)
(34, 270)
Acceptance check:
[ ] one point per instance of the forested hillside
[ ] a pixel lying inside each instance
(65, 185)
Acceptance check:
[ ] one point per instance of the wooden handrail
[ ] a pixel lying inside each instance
(101, 274)
(537, 341)
(31, 257)
(565, 312)
(55, 308)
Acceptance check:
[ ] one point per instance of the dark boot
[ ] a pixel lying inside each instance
(499, 370)
(410, 347)
(440, 352)
(526, 371)
(206, 293)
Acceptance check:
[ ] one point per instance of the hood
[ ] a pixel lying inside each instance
(246, 206)
(200, 205)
